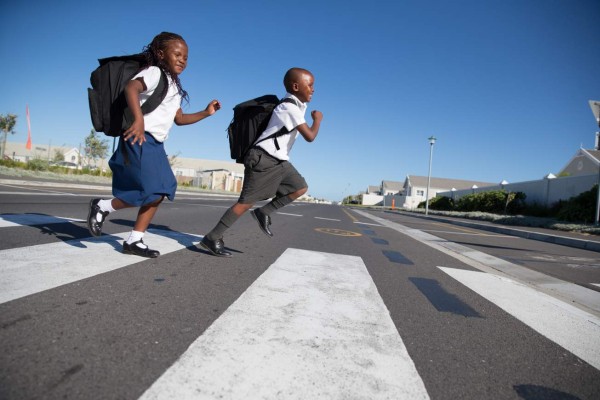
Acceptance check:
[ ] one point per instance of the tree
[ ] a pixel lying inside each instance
(173, 159)
(59, 155)
(7, 125)
(95, 147)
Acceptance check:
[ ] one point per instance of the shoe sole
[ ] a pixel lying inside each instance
(139, 255)
(212, 252)
(259, 224)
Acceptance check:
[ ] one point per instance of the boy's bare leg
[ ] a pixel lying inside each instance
(240, 208)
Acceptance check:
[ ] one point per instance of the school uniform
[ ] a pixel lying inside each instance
(142, 173)
(268, 172)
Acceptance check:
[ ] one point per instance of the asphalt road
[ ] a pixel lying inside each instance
(338, 304)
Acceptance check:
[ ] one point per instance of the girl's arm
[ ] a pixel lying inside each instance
(187, 119)
(132, 95)
(310, 133)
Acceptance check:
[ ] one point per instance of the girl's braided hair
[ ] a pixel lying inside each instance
(150, 51)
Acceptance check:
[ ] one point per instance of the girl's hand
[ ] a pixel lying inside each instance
(135, 132)
(213, 107)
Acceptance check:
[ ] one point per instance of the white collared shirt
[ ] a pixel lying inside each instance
(159, 122)
(289, 115)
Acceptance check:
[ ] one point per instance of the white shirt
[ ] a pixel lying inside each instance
(289, 115)
(159, 122)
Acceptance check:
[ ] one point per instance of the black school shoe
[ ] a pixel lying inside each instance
(94, 224)
(216, 247)
(136, 250)
(263, 221)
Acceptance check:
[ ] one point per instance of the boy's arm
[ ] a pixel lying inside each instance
(132, 95)
(187, 119)
(310, 133)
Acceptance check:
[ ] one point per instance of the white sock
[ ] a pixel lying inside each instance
(136, 236)
(105, 205)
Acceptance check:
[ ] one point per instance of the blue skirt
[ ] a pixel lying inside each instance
(141, 173)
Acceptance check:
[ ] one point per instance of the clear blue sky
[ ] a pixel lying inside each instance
(503, 85)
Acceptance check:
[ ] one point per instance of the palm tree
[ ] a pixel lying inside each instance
(7, 125)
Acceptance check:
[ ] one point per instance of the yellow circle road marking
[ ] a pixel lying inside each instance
(338, 232)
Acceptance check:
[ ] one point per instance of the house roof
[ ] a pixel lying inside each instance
(595, 154)
(444, 183)
(392, 185)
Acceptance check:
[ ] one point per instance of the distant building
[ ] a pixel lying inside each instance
(373, 190)
(390, 187)
(18, 152)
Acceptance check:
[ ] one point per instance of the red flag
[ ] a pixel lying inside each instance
(28, 145)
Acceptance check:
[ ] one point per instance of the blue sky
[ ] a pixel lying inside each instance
(503, 85)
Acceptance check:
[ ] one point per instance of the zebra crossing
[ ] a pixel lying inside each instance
(304, 308)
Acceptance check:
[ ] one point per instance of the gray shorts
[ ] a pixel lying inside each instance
(266, 177)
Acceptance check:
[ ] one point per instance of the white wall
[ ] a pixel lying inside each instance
(544, 191)
(371, 199)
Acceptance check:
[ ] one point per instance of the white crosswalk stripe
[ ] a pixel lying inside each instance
(8, 220)
(312, 326)
(32, 269)
(568, 326)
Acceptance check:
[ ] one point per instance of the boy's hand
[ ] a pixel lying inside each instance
(213, 107)
(135, 132)
(316, 115)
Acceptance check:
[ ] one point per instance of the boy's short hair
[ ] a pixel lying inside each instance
(293, 75)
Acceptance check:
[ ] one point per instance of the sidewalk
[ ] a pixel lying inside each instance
(571, 239)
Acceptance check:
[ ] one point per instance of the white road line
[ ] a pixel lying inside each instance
(596, 284)
(7, 220)
(292, 215)
(312, 326)
(33, 269)
(572, 328)
(328, 219)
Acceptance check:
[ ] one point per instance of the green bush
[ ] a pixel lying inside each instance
(493, 201)
(538, 210)
(10, 163)
(37, 164)
(441, 203)
(580, 208)
(516, 203)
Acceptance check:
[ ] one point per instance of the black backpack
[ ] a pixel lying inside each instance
(250, 119)
(108, 106)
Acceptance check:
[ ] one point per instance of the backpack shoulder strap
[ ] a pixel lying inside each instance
(288, 100)
(157, 96)
(283, 130)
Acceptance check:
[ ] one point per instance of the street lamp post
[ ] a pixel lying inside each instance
(432, 140)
